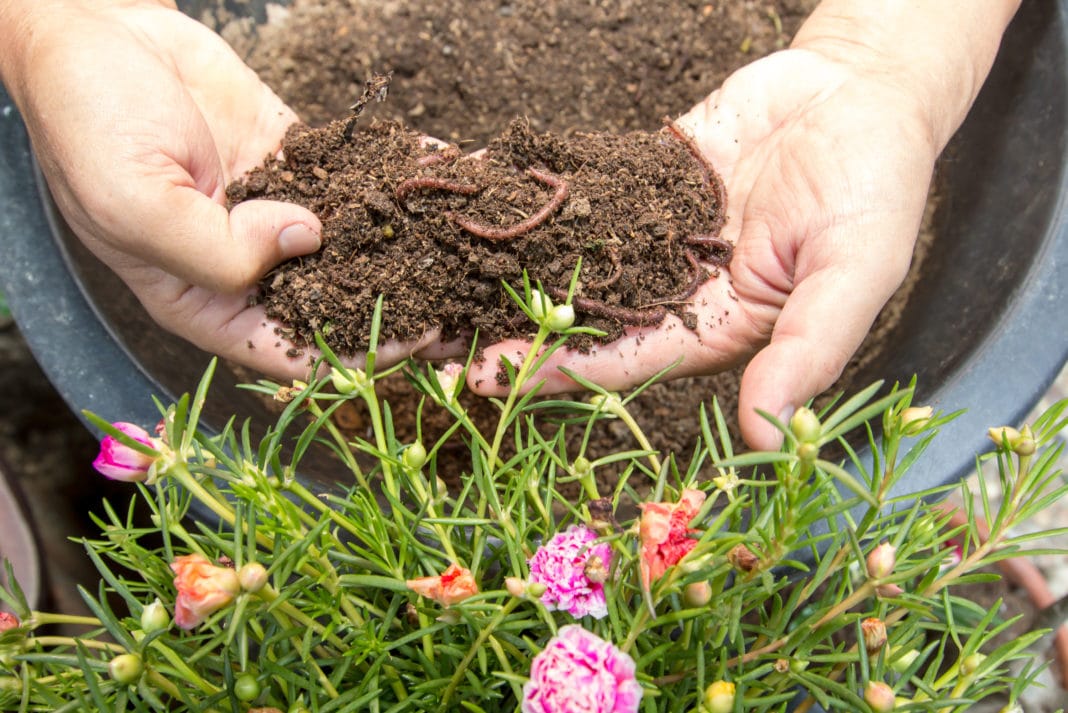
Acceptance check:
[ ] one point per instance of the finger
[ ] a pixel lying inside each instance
(637, 356)
(821, 326)
(196, 239)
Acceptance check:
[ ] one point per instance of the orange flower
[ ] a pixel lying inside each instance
(664, 533)
(452, 586)
(203, 589)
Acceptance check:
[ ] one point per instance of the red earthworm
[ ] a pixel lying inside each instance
(617, 272)
(447, 155)
(721, 249)
(711, 178)
(624, 315)
(499, 234)
(443, 184)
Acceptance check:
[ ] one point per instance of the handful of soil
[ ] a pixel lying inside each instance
(437, 233)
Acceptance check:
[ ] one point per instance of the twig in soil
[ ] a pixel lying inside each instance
(711, 178)
(499, 234)
(623, 315)
(403, 190)
(375, 89)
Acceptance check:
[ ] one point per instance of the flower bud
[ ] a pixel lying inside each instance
(808, 452)
(155, 617)
(902, 662)
(347, 381)
(805, 425)
(882, 560)
(540, 304)
(1025, 444)
(581, 466)
(971, 663)
(516, 587)
(873, 630)
(914, 418)
(252, 577)
(1002, 435)
(743, 559)
(126, 668)
(879, 696)
(118, 461)
(8, 622)
(246, 687)
(414, 456)
(536, 589)
(449, 382)
(697, 594)
(719, 697)
(561, 317)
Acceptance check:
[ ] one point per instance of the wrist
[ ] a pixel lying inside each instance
(936, 53)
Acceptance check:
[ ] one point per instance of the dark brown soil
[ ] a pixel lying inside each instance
(437, 235)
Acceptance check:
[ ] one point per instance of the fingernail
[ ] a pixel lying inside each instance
(787, 413)
(298, 239)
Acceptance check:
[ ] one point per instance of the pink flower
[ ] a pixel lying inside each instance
(203, 589)
(579, 671)
(572, 568)
(120, 462)
(665, 532)
(454, 585)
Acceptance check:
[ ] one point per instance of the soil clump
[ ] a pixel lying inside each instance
(436, 234)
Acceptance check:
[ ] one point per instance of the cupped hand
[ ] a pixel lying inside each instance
(139, 117)
(827, 171)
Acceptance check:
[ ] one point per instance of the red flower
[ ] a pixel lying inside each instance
(454, 585)
(203, 589)
(8, 622)
(665, 532)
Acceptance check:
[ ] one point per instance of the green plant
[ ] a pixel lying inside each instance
(710, 581)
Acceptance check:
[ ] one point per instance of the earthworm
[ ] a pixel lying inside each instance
(624, 315)
(721, 249)
(711, 178)
(446, 155)
(698, 279)
(617, 272)
(499, 234)
(443, 184)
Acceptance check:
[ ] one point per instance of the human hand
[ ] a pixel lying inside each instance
(140, 117)
(826, 151)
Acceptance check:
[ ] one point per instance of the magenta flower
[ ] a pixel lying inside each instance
(120, 462)
(579, 671)
(572, 568)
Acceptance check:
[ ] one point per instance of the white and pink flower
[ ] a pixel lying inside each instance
(579, 671)
(572, 567)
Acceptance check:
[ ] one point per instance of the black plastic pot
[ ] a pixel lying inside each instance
(984, 331)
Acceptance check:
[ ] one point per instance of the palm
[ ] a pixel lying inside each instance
(825, 194)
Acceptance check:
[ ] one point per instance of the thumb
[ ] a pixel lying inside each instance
(822, 324)
(196, 239)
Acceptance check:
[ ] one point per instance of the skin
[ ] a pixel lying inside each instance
(826, 149)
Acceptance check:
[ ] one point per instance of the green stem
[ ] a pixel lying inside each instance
(72, 642)
(37, 619)
(183, 668)
(483, 635)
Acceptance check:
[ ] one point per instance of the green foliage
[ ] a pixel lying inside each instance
(780, 561)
